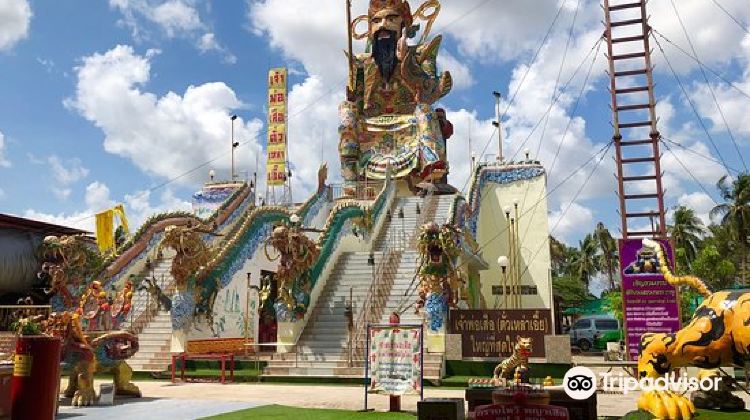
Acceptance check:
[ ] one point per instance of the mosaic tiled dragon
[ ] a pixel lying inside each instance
(85, 354)
(717, 335)
(439, 281)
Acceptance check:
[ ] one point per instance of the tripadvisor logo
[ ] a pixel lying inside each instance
(579, 383)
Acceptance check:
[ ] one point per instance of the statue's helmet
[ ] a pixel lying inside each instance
(391, 15)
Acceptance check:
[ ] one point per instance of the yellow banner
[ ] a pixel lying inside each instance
(276, 134)
(276, 146)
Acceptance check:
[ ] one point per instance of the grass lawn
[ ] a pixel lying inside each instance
(283, 413)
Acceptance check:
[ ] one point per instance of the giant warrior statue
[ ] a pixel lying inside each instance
(387, 119)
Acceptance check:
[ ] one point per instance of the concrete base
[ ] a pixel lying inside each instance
(453, 350)
(557, 349)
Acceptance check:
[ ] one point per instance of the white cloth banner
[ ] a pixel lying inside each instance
(395, 360)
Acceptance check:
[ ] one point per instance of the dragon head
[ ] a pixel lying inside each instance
(118, 345)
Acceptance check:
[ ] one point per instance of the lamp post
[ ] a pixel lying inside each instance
(294, 219)
(234, 146)
(511, 255)
(517, 252)
(503, 263)
(498, 125)
(211, 175)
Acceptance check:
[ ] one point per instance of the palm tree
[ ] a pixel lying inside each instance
(686, 232)
(608, 253)
(735, 212)
(560, 256)
(586, 259)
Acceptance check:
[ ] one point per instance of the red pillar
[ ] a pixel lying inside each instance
(395, 400)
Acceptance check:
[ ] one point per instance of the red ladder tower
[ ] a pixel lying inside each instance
(634, 118)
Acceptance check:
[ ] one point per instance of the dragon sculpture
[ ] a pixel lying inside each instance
(192, 252)
(87, 317)
(440, 283)
(717, 335)
(296, 254)
(517, 363)
(86, 353)
(69, 263)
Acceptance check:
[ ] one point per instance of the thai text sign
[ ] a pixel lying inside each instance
(395, 360)
(520, 412)
(493, 333)
(650, 304)
(276, 155)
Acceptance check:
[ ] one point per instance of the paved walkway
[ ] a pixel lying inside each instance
(196, 400)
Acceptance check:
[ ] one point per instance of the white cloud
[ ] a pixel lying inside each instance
(164, 136)
(97, 197)
(574, 223)
(15, 17)
(65, 173)
(173, 17)
(700, 202)
(208, 43)
(4, 162)
(460, 71)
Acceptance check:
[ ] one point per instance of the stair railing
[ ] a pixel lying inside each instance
(376, 298)
(427, 213)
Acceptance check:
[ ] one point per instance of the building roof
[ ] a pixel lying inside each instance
(36, 226)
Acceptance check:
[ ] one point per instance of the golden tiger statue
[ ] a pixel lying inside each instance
(717, 335)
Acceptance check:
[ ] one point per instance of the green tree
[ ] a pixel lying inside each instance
(735, 212)
(571, 290)
(586, 259)
(608, 259)
(561, 256)
(613, 303)
(714, 268)
(686, 232)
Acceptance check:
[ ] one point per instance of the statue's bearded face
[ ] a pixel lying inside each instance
(386, 28)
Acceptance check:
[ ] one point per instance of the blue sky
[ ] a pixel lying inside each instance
(103, 102)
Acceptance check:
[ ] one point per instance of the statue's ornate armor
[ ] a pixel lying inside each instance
(388, 118)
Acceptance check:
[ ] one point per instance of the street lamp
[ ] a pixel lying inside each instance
(211, 175)
(503, 263)
(294, 219)
(498, 125)
(234, 146)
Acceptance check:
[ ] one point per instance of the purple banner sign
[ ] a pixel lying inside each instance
(650, 304)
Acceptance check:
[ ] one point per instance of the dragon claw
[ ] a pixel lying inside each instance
(84, 397)
(667, 405)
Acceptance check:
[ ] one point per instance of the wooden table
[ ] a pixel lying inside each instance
(222, 357)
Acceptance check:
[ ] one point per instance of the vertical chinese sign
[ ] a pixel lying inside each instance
(277, 145)
(650, 304)
(395, 360)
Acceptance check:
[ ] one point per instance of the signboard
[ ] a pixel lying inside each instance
(395, 360)
(276, 146)
(520, 412)
(650, 304)
(493, 333)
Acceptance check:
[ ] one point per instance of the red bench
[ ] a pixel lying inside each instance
(223, 358)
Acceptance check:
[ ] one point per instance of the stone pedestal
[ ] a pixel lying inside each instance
(557, 349)
(453, 350)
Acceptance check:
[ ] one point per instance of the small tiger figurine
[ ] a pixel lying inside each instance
(517, 362)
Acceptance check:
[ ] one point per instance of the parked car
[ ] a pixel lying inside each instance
(587, 331)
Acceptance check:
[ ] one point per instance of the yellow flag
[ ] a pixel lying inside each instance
(105, 234)
(120, 212)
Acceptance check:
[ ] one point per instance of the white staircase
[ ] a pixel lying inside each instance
(155, 335)
(153, 345)
(322, 348)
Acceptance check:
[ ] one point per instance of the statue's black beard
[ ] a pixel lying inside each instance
(384, 52)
